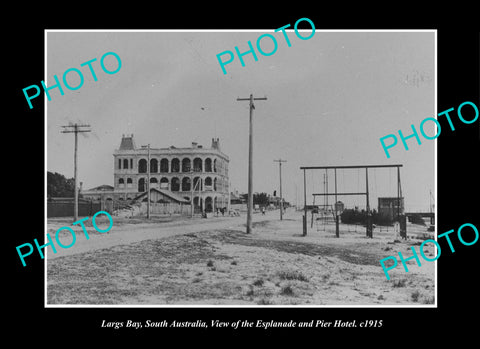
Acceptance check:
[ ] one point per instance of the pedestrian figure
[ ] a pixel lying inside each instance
(263, 210)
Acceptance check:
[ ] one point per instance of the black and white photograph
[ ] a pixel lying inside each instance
(214, 172)
(162, 144)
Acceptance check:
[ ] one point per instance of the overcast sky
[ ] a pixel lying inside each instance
(330, 99)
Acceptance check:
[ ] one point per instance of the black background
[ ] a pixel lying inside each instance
(458, 176)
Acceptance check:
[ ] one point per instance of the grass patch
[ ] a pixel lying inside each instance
(428, 300)
(292, 275)
(415, 295)
(287, 291)
(264, 301)
(258, 282)
(399, 283)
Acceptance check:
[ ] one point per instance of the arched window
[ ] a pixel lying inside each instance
(175, 165)
(131, 163)
(153, 165)
(164, 165)
(129, 182)
(215, 184)
(186, 165)
(141, 185)
(153, 180)
(197, 204)
(197, 184)
(175, 184)
(142, 166)
(208, 204)
(164, 183)
(125, 163)
(121, 183)
(208, 165)
(208, 183)
(186, 184)
(197, 165)
(119, 164)
(215, 165)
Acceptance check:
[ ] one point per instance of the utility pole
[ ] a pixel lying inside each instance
(192, 187)
(148, 179)
(191, 192)
(337, 221)
(281, 197)
(304, 203)
(369, 225)
(326, 187)
(250, 154)
(76, 128)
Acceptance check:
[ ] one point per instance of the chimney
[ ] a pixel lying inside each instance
(215, 143)
(194, 144)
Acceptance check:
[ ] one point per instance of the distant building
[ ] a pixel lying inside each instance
(274, 201)
(238, 201)
(97, 192)
(391, 206)
(236, 198)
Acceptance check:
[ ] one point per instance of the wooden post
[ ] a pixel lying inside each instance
(304, 203)
(191, 193)
(75, 195)
(398, 193)
(148, 181)
(337, 228)
(369, 227)
(281, 197)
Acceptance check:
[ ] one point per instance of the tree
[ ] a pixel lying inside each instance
(59, 186)
(260, 199)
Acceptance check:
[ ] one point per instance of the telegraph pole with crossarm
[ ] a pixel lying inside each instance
(76, 128)
(250, 153)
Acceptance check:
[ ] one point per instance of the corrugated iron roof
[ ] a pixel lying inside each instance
(168, 193)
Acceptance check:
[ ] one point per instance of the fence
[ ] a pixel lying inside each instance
(63, 207)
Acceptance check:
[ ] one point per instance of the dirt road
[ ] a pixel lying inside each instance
(123, 233)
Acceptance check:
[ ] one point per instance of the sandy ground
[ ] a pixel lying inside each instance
(212, 261)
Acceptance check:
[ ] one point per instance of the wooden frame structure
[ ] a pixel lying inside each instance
(366, 193)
